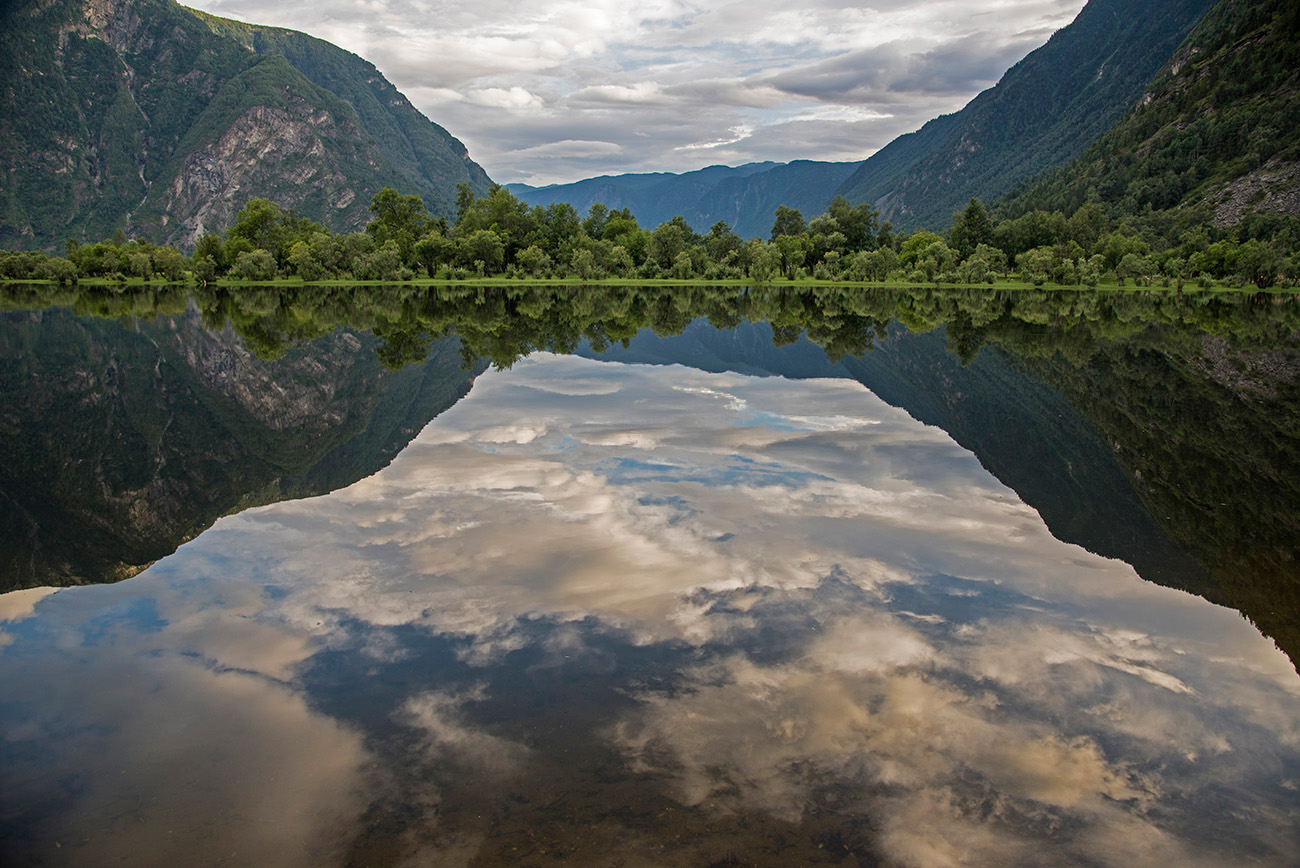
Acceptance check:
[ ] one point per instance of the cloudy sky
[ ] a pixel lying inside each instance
(546, 91)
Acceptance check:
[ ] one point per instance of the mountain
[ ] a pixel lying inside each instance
(1042, 113)
(1215, 132)
(748, 204)
(148, 117)
(745, 197)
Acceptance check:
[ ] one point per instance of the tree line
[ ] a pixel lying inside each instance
(499, 236)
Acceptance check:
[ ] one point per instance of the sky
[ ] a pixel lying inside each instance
(761, 596)
(551, 91)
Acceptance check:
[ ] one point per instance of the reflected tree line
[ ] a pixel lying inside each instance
(504, 323)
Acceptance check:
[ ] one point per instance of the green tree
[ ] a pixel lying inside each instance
(255, 265)
(789, 223)
(971, 227)
(793, 252)
(857, 223)
(485, 246)
(398, 218)
(533, 260)
(304, 263)
(259, 223)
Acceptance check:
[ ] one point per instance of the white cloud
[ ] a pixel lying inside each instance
(511, 98)
(668, 82)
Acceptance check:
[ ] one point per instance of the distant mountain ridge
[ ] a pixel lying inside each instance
(146, 116)
(1045, 110)
(744, 197)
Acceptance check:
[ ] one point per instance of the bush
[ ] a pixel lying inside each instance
(57, 269)
(258, 265)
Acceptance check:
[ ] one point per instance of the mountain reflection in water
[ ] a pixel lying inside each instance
(623, 614)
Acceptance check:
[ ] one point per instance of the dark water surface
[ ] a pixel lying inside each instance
(1014, 586)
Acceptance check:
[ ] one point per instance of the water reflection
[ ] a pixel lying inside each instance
(655, 615)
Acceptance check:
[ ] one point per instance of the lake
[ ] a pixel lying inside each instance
(649, 576)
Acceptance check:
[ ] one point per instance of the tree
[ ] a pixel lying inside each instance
(793, 253)
(1038, 261)
(1257, 262)
(620, 261)
(258, 223)
(383, 264)
(255, 265)
(212, 247)
(304, 263)
(584, 264)
(721, 241)
(667, 241)
(464, 199)
(533, 260)
(915, 246)
(597, 219)
(683, 268)
(789, 223)
(763, 261)
(397, 218)
(857, 223)
(432, 251)
(485, 246)
(971, 227)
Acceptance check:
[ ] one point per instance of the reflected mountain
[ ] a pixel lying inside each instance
(122, 440)
(1155, 427)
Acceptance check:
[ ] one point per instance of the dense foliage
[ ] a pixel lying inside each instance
(497, 235)
(1219, 119)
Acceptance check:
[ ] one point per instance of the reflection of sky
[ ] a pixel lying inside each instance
(701, 599)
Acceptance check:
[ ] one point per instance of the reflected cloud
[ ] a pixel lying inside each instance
(750, 601)
(159, 758)
(18, 606)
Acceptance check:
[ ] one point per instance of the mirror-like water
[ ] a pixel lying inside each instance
(644, 614)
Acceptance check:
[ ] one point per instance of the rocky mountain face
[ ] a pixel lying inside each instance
(1213, 136)
(146, 117)
(118, 444)
(1042, 114)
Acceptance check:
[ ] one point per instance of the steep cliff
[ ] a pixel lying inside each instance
(144, 116)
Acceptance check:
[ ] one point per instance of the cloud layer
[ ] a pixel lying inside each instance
(622, 610)
(547, 91)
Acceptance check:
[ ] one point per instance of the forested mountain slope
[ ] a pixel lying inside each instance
(144, 116)
(1214, 136)
(1043, 113)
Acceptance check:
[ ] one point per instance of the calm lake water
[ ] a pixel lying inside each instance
(684, 579)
